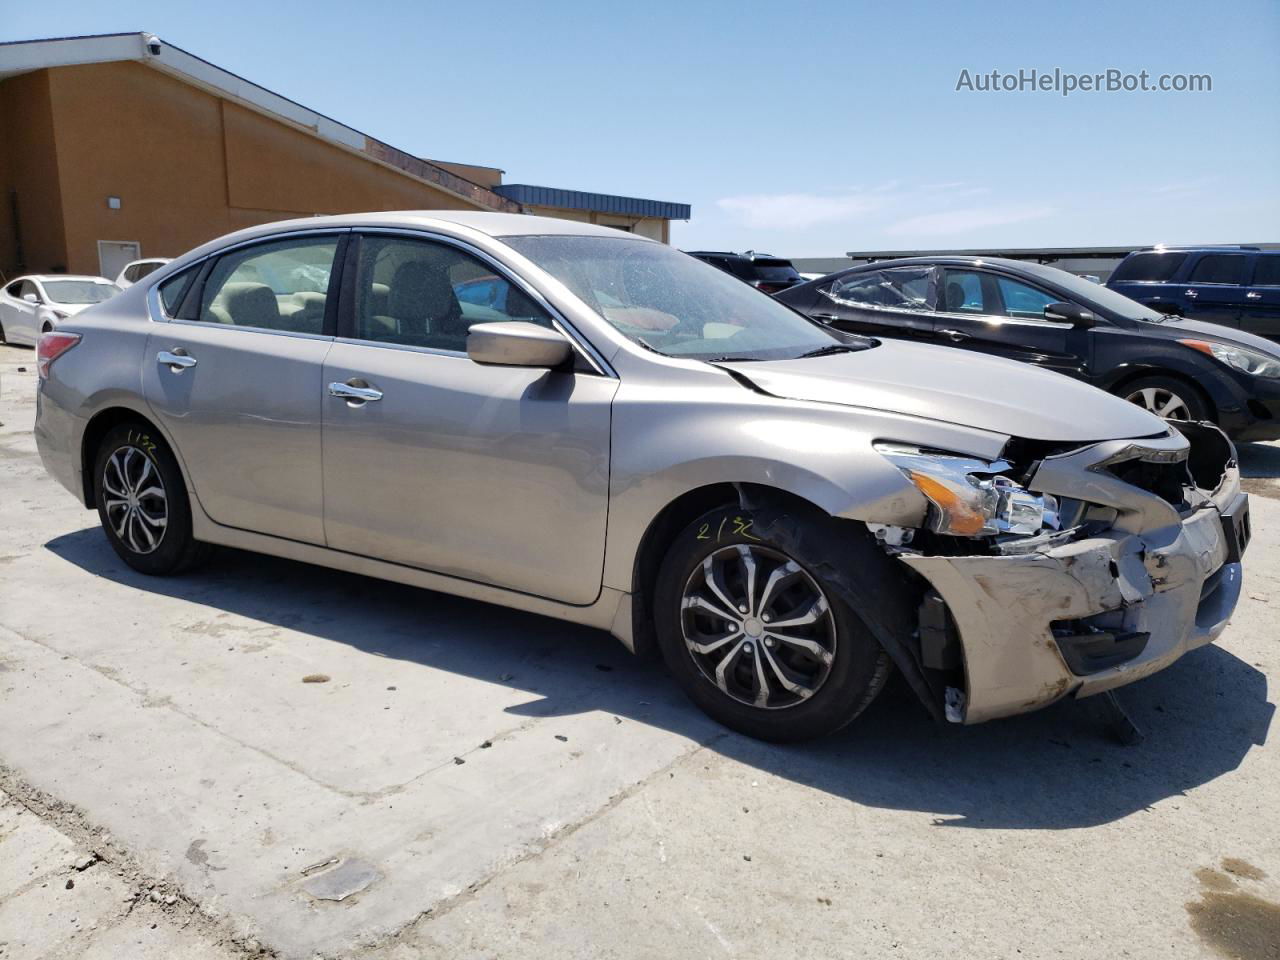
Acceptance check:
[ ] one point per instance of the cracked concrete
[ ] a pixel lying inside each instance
(511, 786)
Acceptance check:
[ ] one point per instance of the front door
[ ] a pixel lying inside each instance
(17, 313)
(894, 302)
(493, 474)
(996, 314)
(237, 381)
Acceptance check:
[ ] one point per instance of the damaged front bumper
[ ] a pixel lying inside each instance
(1080, 613)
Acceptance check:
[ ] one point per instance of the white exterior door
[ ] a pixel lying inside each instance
(115, 255)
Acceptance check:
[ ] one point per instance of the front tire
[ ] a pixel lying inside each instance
(142, 501)
(758, 633)
(1167, 397)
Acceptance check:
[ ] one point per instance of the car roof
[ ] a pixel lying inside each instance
(493, 224)
(43, 277)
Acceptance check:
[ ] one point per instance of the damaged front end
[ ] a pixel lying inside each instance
(1057, 573)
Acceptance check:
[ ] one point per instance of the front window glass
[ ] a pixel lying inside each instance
(901, 288)
(1022, 301)
(425, 294)
(273, 286)
(673, 303)
(1148, 267)
(79, 291)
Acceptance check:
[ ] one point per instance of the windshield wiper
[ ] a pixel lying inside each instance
(733, 359)
(829, 349)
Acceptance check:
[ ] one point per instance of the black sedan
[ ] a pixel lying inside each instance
(1180, 369)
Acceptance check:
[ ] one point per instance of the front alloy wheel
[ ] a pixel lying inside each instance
(758, 626)
(1162, 402)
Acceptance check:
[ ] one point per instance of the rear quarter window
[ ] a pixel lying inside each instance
(173, 289)
(1149, 267)
(1267, 271)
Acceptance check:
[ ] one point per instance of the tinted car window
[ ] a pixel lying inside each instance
(1220, 268)
(1022, 301)
(272, 286)
(775, 270)
(1266, 273)
(15, 289)
(1149, 267)
(143, 269)
(425, 294)
(171, 290)
(902, 288)
(962, 292)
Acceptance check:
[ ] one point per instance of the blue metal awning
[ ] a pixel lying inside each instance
(529, 195)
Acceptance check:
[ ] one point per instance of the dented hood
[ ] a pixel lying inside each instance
(956, 386)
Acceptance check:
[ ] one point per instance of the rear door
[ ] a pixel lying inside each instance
(237, 380)
(1261, 314)
(1004, 316)
(892, 302)
(1215, 291)
(492, 474)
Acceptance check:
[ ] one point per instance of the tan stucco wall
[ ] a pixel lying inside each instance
(28, 169)
(652, 227)
(189, 166)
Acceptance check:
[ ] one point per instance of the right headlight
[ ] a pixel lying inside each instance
(970, 497)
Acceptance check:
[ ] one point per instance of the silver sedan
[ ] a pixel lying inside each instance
(593, 426)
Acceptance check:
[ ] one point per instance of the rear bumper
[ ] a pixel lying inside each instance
(1089, 615)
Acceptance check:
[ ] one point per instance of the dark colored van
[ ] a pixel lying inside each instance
(765, 273)
(1235, 286)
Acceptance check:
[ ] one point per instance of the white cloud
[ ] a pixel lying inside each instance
(796, 211)
(966, 220)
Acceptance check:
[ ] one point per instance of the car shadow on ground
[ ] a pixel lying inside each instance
(1259, 460)
(1054, 769)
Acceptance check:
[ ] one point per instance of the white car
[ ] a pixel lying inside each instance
(32, 305)
(135, 271)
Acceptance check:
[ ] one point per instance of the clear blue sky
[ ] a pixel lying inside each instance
(803, 129)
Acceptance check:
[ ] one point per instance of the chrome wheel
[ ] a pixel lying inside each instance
(134, 499)
(1163, 403)
(758, 626)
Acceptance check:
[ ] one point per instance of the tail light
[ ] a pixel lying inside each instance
(53, 345)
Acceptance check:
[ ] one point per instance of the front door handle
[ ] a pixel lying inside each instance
(1191, 294)
(176, 359)
(355, 391)
(1253, 295)
(955, 336)
(826, 317)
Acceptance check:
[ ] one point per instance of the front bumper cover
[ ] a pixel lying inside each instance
(1156, 571)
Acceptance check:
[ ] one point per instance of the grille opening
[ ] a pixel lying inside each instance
(1165, 480)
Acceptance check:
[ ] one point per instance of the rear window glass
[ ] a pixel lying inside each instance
(1220, 268)
(1267, 271)
(1149, 267)
(775, 270)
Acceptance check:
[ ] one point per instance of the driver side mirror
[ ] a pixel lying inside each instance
(31, 298)
(1071, 313)
(517, 343)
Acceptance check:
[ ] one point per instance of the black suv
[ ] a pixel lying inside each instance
(1178, 368)
(1235, 286)
(765, 273)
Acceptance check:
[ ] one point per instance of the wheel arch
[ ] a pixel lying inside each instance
(99, 425)
(670, 520)
(1188, 380)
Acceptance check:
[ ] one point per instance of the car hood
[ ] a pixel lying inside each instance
(1178, 327)
(956, 386)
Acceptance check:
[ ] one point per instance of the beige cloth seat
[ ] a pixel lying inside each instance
(422, 309)
(246, 305)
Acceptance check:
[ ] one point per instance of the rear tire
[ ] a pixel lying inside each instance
(1179, 399)
(805, 680)
(142, 501)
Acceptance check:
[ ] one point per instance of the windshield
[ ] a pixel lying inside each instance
(676, 304)
(79, 291)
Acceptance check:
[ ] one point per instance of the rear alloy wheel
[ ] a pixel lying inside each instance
(1167, 398)
(755, 625)
(142, 502)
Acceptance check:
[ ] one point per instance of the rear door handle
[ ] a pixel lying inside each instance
(955, 336)
(176, 360)
(1253, 295)
(826, 317)
(355, 391)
